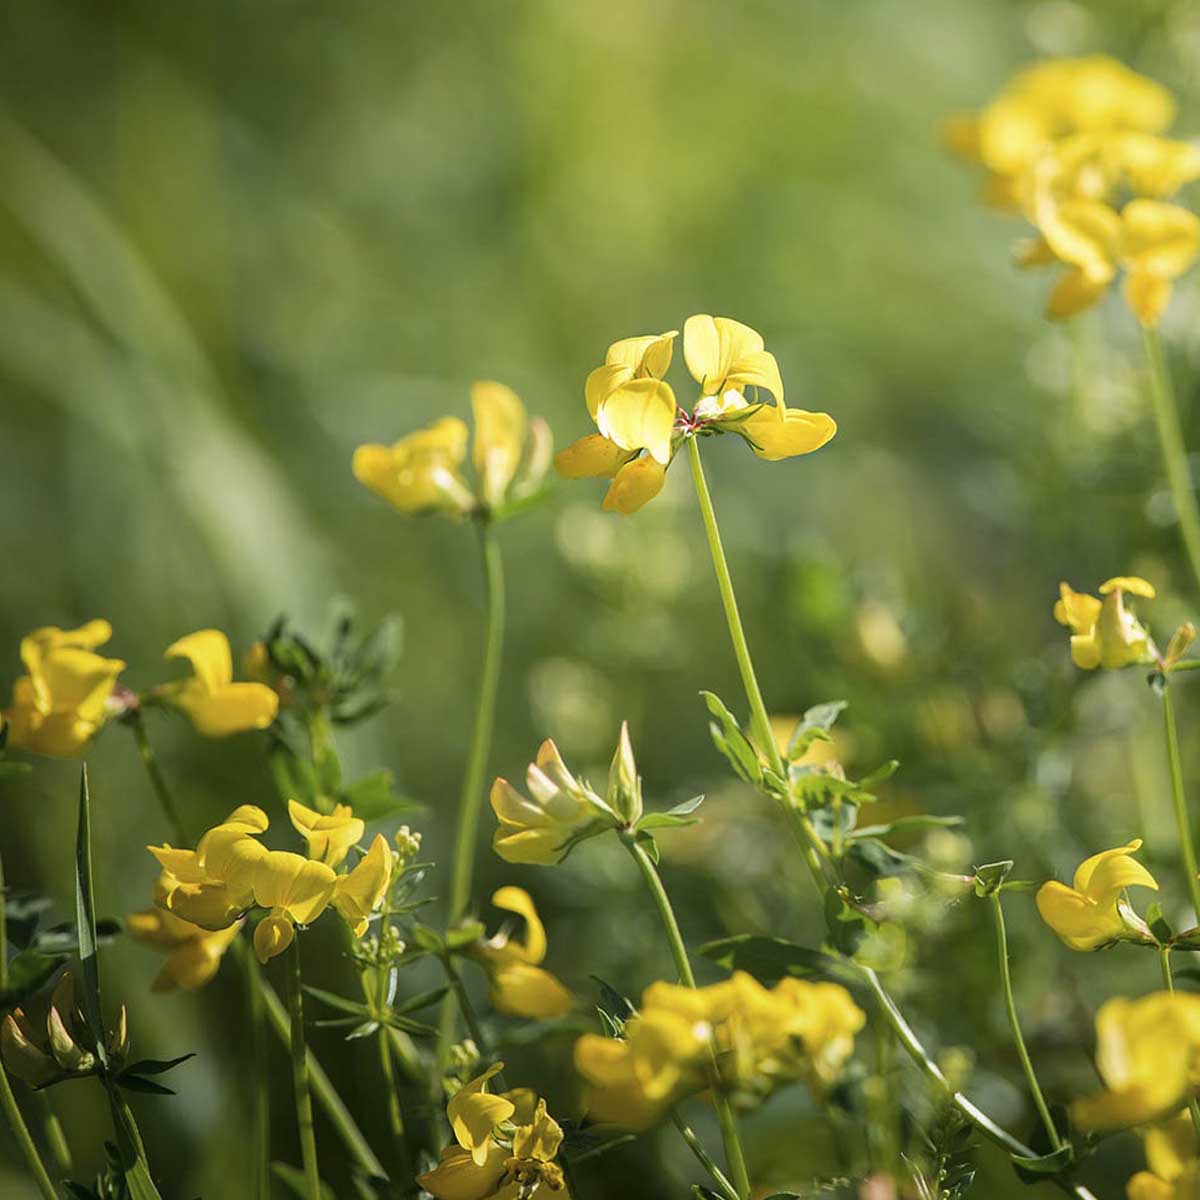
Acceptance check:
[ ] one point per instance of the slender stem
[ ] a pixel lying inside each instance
(1174, 453)
(817, 853)
(1187, 845)
(56, 1139)
(464, 1003)
(277, 1016)
(304, 1112)
(471, 800)
(1014, 1023)
(737, 635)
(380, 1001)
(1164, 961)
(8, 1102)
(702, 1157)
(157, 780)
(734, 1155)
(260, 1098)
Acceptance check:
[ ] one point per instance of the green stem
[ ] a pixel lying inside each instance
(304, 1112)
(734, 1155)
(702, 1157)
(56, 1139)
(1014, 1023)
(737, 635)
(260, 1099)
(459, 990)
(1164, 961)
(471, 801)
(387, 1068)
(816, 853)
(1174, 453)
(8, 1102)
(1186, 843)
(332, 1104)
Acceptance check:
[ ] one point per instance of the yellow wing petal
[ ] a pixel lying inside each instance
(776, 434)
(635, 484)
(208, 652)
(640, 415)
(591, 457)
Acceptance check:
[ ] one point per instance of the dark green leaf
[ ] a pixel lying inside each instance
(333, 1000)
(421, 1000)
(156, 1066)
(134, 1083)
(729, 739)
(914, 824)
(85, 920)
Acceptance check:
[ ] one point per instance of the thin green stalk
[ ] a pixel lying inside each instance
(1182, 823)
(816, 853)
(327, 1096)
(702, 1157)
(734, 1155)
(304, 1112)
(8, 1102)
(1014, 1023)
(56, 1139)
(260, 1122)
(1174, 453)
(1164, 962)
(459, 990)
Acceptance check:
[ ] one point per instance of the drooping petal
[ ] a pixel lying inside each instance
(518, 900)
(1159, 239)
(539, 1139)
(209, 653)
(635, 485)
(1079, 922)
(1104, 875)
(591, 457)
(776, 434)
(522, 990)
(757, 369)
(233, 708)
(458, 1177)
(272, 936)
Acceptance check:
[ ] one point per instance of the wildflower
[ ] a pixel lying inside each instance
(61, 703)
(358, 893)
(1093, 913)
(329, 836)
(1148, 1055)
(296, 891)
(1172, 1155)
(1104, 633)
(538, 829)
(640, 422)
(422, 473)
(55, 1043)
(1046, 102)
(505, 1147)
(193, 954)
(214, 704)
(519, 985)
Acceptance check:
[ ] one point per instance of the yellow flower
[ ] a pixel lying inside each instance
(1171, 1154)
(193, 954)
(1104, 633)
(536, 829)
(422, 473)
(359, 893)
(60, 704)
(1148, 1055)
(505, 1147)
(519, 985)
(1088, 915)
(296, 890)
(329, 835)
(215, 705)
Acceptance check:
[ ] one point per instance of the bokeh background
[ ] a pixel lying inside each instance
(237, 240)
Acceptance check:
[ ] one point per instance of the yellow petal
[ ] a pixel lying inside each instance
(208, 652)
(474, 1114)
(329, 836)
(1159, 239)
(1078, 921)
(1076, 609)
(1106, 874)
(603, 381)
(702, 352)
(359, 893)
(640, 415)
(298, 886)
(272, 936)
(540, 1139)
(1172, 1145)
(776, 434)
(591, 457)
(518, 900)
(233, 708)
(522, 990)
(458, 1177)
(635, 484)
(1085, 233)
(646, 355)
(1075, 292)
(758, 369)
(500, 426)
(1133, 584)
(1147, 296)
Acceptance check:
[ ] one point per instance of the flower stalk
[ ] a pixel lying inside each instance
(303, 1098)
(1187, 845)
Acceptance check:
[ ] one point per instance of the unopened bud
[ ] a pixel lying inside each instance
(624, 787)
(1181, 639)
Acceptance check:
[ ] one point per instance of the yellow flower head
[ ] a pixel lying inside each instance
(1173, 1156)
(519, 985)
(640, 421)
(1148, 1054)
(193, 954)
(535, 829)
(214, 704)
(422, 473)
(59, 705)
(329, 835)
(1089, 914)
(1104, 633)
(360, 892)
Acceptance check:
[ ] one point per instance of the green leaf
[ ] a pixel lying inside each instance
(729, 739)
(135, 1083)
(155, 1066)
(85, 920)
(771, 959)
(373, 797)
(464, 935)
(333, 1000)
(914, 824)
(293, 1179)
(814, 725)
(421, 1000)
(990, 877)
(647, 843)
(1035, 1169)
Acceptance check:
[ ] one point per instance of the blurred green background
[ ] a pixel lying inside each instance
(238, 240)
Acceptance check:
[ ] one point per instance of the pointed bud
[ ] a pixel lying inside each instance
(1177, 647)
(624, 787)
(22, 1057)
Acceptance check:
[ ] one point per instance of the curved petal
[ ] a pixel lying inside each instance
(1159, 239)
(233, 708)
(359, 893)
(603, 381)
(329, 836)
(1081, 924)
(208, 652)
(518, 900)
(298, 886)
(757, 369)
(591, 457)
(776, 434)
(272, 936)
(500, 427)
(473, 1114)
(522, 990)
(1093, 875)
(1076, 609)
(635, 484)
(458, 1177)
(640, 415)
(702, 352)
(1075, 292)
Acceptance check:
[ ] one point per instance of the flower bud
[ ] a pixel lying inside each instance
(1177, 647)
(624, 787)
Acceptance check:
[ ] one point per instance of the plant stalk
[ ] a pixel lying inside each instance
(304, 1112)
(1187, 844)
(1164, 961)
(260, 1099)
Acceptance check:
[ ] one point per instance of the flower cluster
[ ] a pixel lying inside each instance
(231, 872)
(759, 1036)
(505, 1146)
(1077, 146)
(423, 472)
(641, 425)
